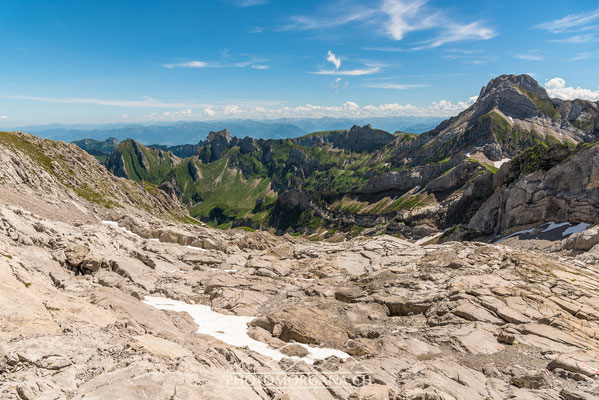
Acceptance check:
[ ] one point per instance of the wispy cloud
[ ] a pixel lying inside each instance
(457, 33)
(397, 18)
(228, 62)
(338, 83)
(396, 86)
(529, 57)
(582, 56)
(350, 72)
(572, 23)
(407, 16)
(190, 64)
(577, 39)
(3, 117)
(388, 49)
(146, 102)
(337, 15)
(250, 3)
(256, 29)
(556, 87)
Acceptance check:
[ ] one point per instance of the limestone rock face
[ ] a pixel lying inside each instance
(358, 138)
(363, 139)
(502, 93)
(569, 191)
(219, 142)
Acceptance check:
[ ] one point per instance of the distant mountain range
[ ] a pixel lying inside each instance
(179, 133)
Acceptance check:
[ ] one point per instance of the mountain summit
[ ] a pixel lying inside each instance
(512, 113)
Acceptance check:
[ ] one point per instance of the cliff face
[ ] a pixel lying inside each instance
(543, 185)
(511, 114)
(357, 138)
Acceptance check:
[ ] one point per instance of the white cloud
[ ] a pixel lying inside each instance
(395, 86)
(189, 64)
(529, 57)
(3, 117)
(147, 102)
(407, 16)
(331, 57)
(250, 3)
(333, 18)
(226, 62)
(441, 108)
(556, 87)
(457, 32)
(256, 29)
(572, 23)
(180, 114)
(577, 39)
(398, 18)
(351, 72)
(582, 56)
(339, 83)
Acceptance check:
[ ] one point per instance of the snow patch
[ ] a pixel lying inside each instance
(576, 229)
(499, 163)
(516, 233)
(468, 154)
(553, 225)
(116, 225)
(195, 248)
(232, 329)
(426, 239)
(511, 120)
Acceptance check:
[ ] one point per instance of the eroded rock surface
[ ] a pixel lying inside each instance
(451, 321)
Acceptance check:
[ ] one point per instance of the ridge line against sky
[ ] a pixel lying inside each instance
(74, 62)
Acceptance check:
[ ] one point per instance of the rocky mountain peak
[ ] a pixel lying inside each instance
(220, 136)
(523, 81)
(517, 96)
(363, 138)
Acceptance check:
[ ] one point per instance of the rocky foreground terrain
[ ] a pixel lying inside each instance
(89, 285)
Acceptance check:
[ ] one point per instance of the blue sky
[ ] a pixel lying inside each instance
(142, 61)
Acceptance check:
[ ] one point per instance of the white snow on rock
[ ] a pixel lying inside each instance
(116, 225)
(232, 329)
(516, 234)
(196, 248)
(499, 163)
(553, 225)
(511, 120)
(576, 229)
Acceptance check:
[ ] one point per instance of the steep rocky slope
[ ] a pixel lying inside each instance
(34, 168)
(511, 114)
(543, 184)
